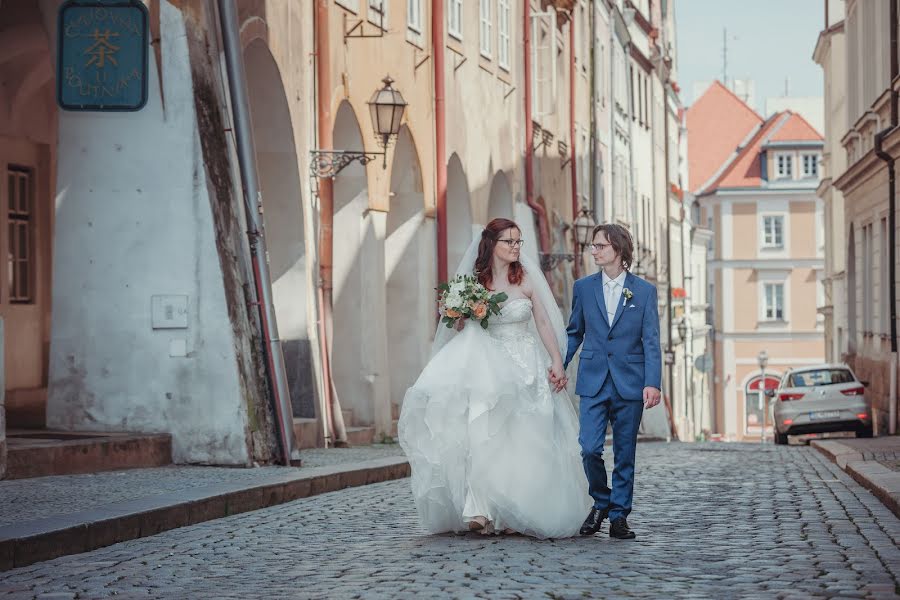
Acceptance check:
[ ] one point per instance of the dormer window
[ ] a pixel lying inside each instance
(784, 166)
(810, 166)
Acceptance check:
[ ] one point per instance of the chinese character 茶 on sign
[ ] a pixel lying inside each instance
(102, 55)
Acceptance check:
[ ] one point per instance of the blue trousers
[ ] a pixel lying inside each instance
(625, 415)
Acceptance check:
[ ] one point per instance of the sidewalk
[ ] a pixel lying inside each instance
(45, 517)
(874, 463)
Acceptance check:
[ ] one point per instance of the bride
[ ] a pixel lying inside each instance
(492, 446)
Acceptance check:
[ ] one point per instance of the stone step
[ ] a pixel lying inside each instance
(306, 433)
(42, 452)
(360, 436)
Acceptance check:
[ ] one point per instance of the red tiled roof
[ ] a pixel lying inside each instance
(745, 170)
(717, 123)
(796, 129)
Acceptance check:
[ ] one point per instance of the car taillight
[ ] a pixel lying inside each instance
(857, 391)
(787, 396)
(862, 416)
(788, 421)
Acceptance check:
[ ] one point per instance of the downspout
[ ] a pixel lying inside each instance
(892, 223)
(572, 162)
(440, 154)
(612, 118)
(252, 196)
(592, 134)
(333, 429)
(668, 249)
(539, 212)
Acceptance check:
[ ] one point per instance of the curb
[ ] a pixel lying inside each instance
(26, 543)
(872, 475)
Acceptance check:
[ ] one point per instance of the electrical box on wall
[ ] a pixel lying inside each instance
(169, 312)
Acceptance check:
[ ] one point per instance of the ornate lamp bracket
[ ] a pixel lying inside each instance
(326, 164)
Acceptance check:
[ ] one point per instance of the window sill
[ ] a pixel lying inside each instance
(778, 248)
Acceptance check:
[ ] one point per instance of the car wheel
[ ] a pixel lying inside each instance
(780, 438)
(865, 432)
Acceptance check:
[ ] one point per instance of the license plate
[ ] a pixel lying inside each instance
(825, 414)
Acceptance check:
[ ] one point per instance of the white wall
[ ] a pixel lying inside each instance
(133, 220)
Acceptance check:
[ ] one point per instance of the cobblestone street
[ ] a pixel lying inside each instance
(713, 521)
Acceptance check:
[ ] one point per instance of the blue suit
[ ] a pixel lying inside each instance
(618, 360)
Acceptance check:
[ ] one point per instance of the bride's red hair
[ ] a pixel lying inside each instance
(486, 254)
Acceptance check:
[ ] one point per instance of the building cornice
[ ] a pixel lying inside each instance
(768, 264)
(863, 169)
(640, 59)
(640, 18)
(825, 41)
(794, 334)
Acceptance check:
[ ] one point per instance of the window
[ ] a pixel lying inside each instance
(784, 166)
(773, 231)
(503, 19)
(20, 260)
(378, 13)
(647, 102)
(868, 298)
(811, 165)
(454, 18)
(414, 15)
(487, 27)
(773, 302)
(543, 63)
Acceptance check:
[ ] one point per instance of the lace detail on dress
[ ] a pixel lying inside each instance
(511, 330)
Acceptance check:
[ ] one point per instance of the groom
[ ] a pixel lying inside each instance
(614, 314)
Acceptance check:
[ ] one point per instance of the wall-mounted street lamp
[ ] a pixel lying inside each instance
(584, 228)
(762, 359)
(386, 107)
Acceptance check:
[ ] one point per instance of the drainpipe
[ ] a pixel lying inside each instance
(440, 154)
(892, 221)
(332, 421)
(592, 127)
(671, 348)
(243, 133)
(572, 163)
(540, 213)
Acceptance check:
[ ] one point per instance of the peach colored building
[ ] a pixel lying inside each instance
(755, 181)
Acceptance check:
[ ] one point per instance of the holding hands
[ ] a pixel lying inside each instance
(557, 375)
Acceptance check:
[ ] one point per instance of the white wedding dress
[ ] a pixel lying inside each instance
(486, 436)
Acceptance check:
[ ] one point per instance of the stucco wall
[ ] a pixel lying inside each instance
(134, 222)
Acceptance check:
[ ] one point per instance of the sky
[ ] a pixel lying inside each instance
(768, 41)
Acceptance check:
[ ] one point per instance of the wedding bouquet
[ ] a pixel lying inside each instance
(463, 296)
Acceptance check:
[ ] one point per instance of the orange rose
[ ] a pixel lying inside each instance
(479, 311)
(453, 314)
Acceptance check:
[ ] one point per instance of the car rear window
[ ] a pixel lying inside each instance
(821, 377)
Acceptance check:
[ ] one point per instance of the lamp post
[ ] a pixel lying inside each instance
(763, 359)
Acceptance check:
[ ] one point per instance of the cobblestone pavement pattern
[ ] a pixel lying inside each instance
(713, 520)
(29, 499)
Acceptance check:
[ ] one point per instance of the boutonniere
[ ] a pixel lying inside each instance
(628, 294)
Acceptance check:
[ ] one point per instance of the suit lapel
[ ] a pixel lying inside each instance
(620, 306)
(601, 299)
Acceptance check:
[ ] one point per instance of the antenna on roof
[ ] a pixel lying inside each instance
(725, 56)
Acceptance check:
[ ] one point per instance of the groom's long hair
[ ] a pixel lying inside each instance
(486, 254)
(620, 239)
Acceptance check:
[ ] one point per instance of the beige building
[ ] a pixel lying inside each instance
(766, 264)
(860, 171)
(830, 54)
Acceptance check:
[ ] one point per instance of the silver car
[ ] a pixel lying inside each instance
(820, 399)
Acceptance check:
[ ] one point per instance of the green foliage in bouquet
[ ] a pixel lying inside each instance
(463, 297)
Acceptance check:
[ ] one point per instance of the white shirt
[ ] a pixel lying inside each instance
(612, 293)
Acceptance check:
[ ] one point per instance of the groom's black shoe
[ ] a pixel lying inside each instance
(619, 529)
(594, 520)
